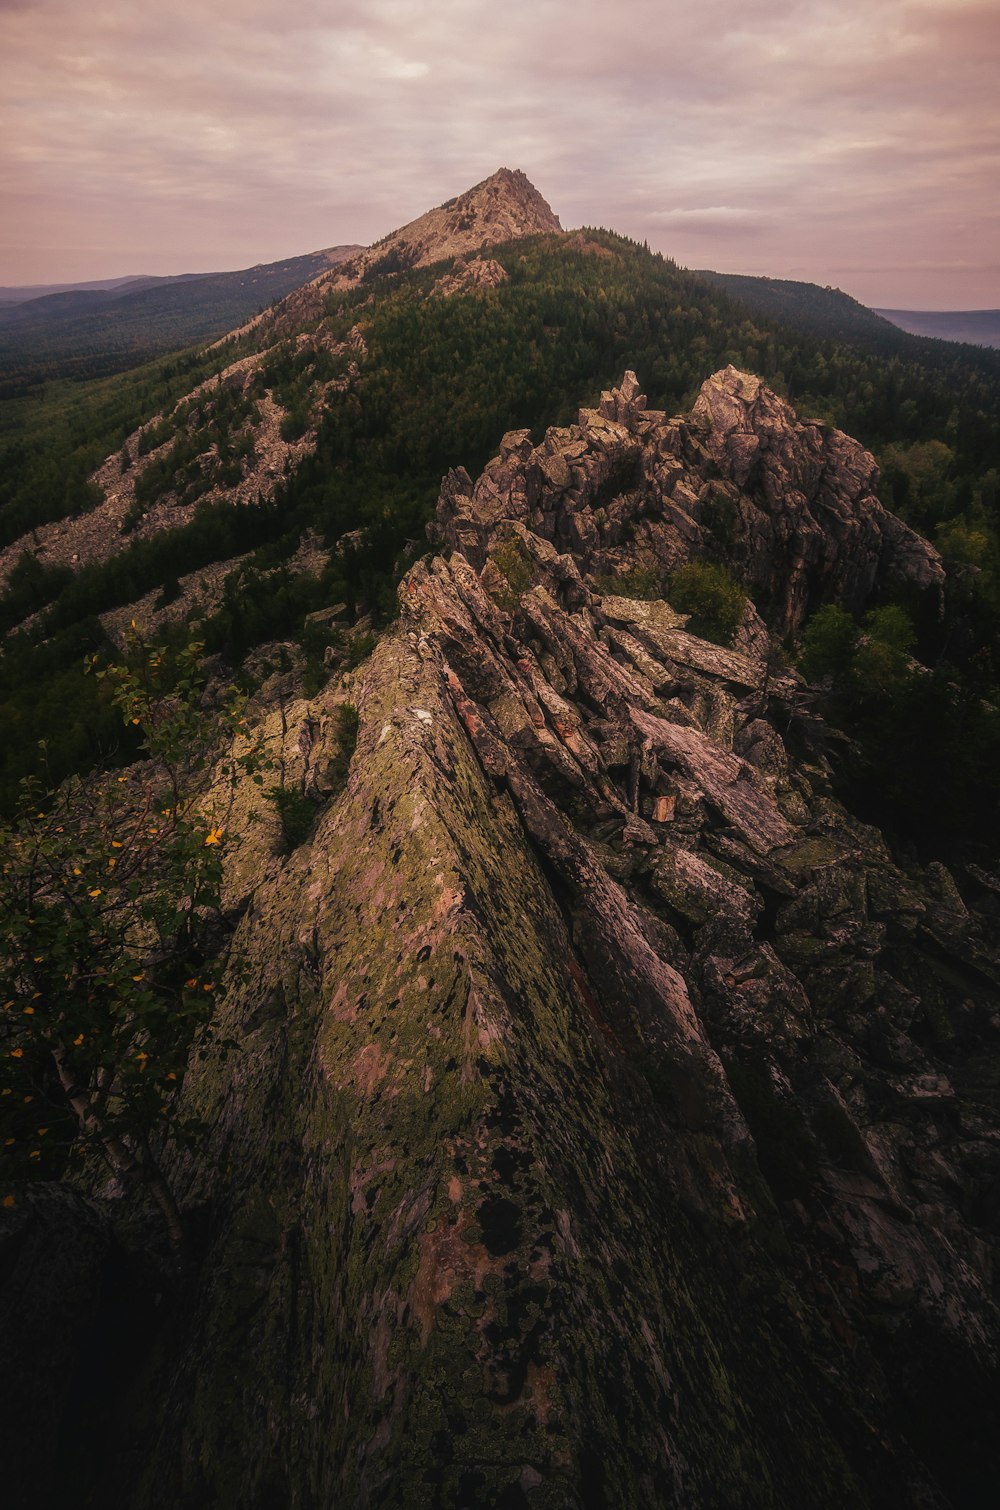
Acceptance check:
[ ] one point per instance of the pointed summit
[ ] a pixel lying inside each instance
(504, 206)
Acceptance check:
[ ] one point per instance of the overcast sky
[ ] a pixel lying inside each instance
(853, 143)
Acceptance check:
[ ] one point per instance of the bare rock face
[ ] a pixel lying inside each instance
(481, 273)
(615, 1118)
(789, 506)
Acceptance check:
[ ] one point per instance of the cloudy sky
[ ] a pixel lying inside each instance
(853, 143)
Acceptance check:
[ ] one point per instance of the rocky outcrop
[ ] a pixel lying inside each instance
(614, 1120)
(469, 277)
(116, 521)
(789, 505)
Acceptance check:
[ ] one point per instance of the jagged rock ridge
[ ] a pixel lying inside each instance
(613, 1121)
(791, 505)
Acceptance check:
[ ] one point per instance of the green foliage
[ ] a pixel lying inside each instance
(360, 648)
(720, 516)
(892, 627)
(829, 643)
(918, 481)
(211, 446)
(643, 582)
(926, 742)
(109, 890)
(128, 326)
(50, 443)
(714, 601)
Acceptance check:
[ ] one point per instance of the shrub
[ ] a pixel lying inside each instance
(711, 597)
(107, 889)
(643, 582)
(829, 643)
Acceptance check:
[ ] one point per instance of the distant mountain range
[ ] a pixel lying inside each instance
(977, 327)
(94, 329)
(22, 293)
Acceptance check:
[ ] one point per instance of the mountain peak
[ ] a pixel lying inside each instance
(508, 195)
(501, 208)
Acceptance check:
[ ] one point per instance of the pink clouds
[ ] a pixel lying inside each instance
(853, 144)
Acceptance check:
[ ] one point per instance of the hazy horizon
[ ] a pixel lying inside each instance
(854, 146)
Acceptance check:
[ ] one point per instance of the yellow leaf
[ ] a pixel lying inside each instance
(17, 1053)
(8, 1142)
(28, 1100)
(171, 1076)
(29, 1011)
(36, 1153)
(77, 871)
(116, 844)
(141, 976)
(95, 893)
(135, 720)
(214, 836)
(9, 1201)
(42, 1131)
(78, 1040)
(39, 958)
(6, 1091)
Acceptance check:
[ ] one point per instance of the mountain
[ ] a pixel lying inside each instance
(189, 495)
(833, 315)
(54, 304)
(598, 1106)
(504, 207)
(978, 327)
(102, 330)
(825, 312)
(12, 294)
(613, 1120)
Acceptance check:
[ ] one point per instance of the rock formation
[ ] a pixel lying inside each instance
(614, 1122)
(789, 505)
